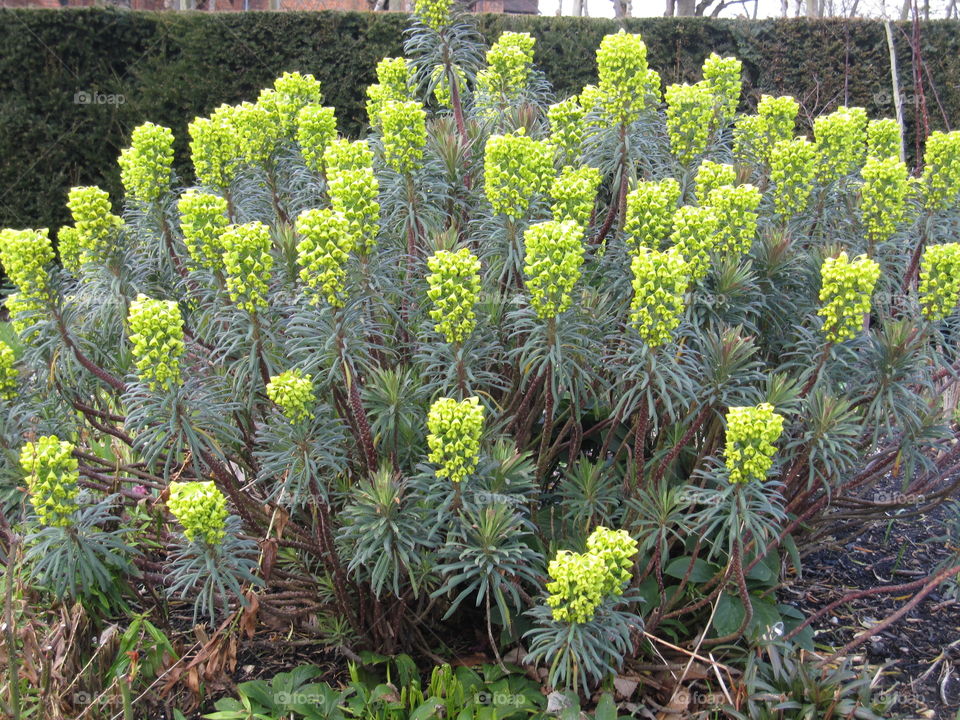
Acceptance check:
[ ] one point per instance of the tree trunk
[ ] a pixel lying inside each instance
(686, 8)
(813, 8)
(671, 8)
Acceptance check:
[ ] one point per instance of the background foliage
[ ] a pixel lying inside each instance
(171, 67)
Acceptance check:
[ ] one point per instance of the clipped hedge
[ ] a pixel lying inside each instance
(169, 67)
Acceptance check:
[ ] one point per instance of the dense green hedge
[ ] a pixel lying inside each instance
(170, 67)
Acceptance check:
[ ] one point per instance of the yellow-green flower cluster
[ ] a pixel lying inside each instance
(566, 130)
(247, 262)
(694, 234)
(215, 148)
(353, 190)
(441, 84)
(941, 172)
(579, 582)
(751, 434)
(203, 218)
(404, 126)
(779, 117)
(515, 167)
(883, 138)
(792, 167)
(25, 255)
(722, 74)
(939, 280)
(292, 392)
(554, 255)
(748, 139)
(145, 166)
(435, 14)
(68, 247)
(454, 430)
(840, 143)
(258, 130)
(156, 334)
(623, 72)
(650, 209)
(737, 207)
(322, 253)
(883, 197)
(509, 61)
(846, 287)
(860, 122)
(616, 548)
(454, 289)
(689, 117)
(573, 192)
(8, 372)
(659, 282)
(52, 478)
(19, 306)
(291, 92)
(394, 82)
(711, 175)
(97, 226)
(201, 509)
(316, 129)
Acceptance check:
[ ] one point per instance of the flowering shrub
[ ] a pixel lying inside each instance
(569, 373)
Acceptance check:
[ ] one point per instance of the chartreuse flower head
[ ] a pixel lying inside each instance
(840, 143)
(554, 255)
(722, 75)
(394, 82)
(566, 130)
(316, 129)
(97, 227)
(291, 92)
(454, 430)
(404, 126)
(792, 167)
(860, 123)
(454, 289)
(146, 166)
(941, 171)
(694, 235)
(616, 549)
(25, 255)
(52, 478)
(343, 155)
(577, 581)
(259, 129)
(650, 209)
(846, 287)
(201, 509)
(435, 14)
(292, 392)
(751, 434)
(441, 84)
(156, 333)
(659, 282)
(68, 247)
(883, 197)
(509, 61)
(203, 218)
(515, 167)
(322, 253)
(353, 190)
(22, 310)
(779, 117)
(883, 138)
(8, 372)
(623, 72)
(736, 210)
(215, 148)
(748, 139)
(689, 117)
(711, 175)
(574, 192)
(939, 281)
(247, 262)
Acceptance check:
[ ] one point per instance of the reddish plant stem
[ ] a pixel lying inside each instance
(684, 441)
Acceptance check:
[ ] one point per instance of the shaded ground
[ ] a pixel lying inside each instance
(921, 653)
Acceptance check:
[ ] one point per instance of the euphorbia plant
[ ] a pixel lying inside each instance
(609, 351)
